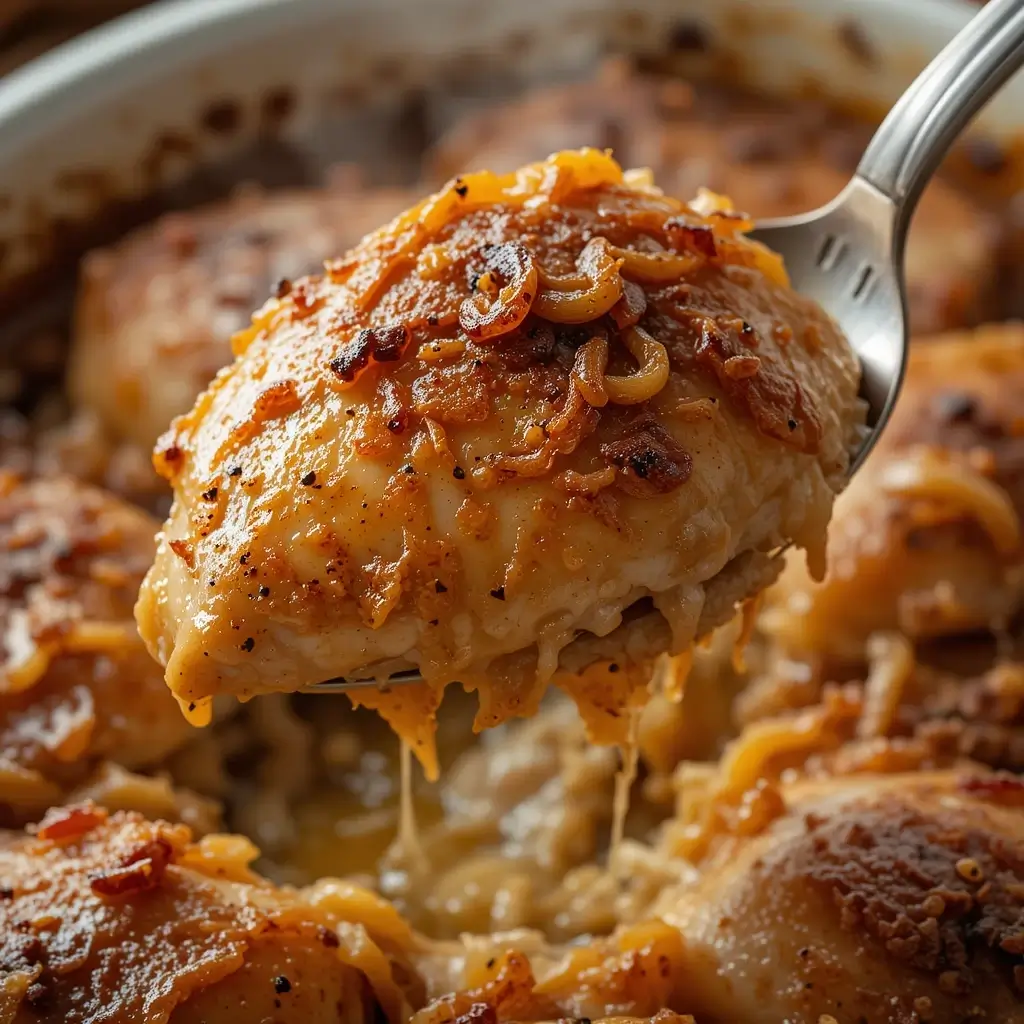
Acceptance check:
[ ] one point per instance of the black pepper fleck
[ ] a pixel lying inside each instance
(459, 473)
(498, 594)
(248, 644)
(282, 985)
(439, 587)
(613, 667)
(409, 469)
(264, 591)
(235, 471)
(309, 479)
(461, 188)
(211, 494)
(282, 288)
(791, 424)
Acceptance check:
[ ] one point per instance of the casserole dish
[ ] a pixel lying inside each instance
(179, 103)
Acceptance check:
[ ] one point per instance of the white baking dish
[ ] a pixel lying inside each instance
(139, 104)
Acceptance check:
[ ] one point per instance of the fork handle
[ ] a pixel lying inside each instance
(911, 142)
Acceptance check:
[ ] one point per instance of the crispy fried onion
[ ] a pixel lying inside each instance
(926, 474)
(504, 293)
(586, 295)
(648, 459)
(562, 433)
(657, 267)
(651, 376)
(630, 309)
(600, 388)
(588, 370)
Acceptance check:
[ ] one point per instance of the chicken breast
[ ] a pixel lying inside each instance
(115, 918)
(876, 899)
(77, 685)
(156, 312)
(528, 411)
(927, 540)
(771, 159)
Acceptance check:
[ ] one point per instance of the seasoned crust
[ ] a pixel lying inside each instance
(76, 683)
(888, 900)
(455, 422)
(156, 312)
(128, 919)
(927, 539)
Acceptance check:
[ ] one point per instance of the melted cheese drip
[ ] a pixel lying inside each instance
(750, 612)
(198, 713)
(624, 780)
(410, 849)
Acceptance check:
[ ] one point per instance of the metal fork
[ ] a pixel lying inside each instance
(848, 255)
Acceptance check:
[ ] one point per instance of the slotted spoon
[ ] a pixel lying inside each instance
(848, 255)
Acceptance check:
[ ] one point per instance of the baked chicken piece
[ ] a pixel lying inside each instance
(115, 918)
(548, 419)
(892, 899)
(771, 159)
(156, 312)
(927, 539)
(77, 685)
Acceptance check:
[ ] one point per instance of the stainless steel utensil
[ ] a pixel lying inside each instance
(848, 255)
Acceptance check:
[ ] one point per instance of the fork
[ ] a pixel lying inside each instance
(848, 255)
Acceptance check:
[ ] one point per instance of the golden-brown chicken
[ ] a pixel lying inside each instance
(526, 406)
(871, 899)
(771, 159)
(156, 312)
(927, 539)
(77, 685)
(119, 919)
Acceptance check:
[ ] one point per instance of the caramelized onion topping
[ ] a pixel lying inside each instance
(586, 295)
(512, 274)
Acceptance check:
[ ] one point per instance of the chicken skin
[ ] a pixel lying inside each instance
(872, 899)
(927, 539)
(77, 685)
(156, 312)
(526, 406)
(115, 918)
